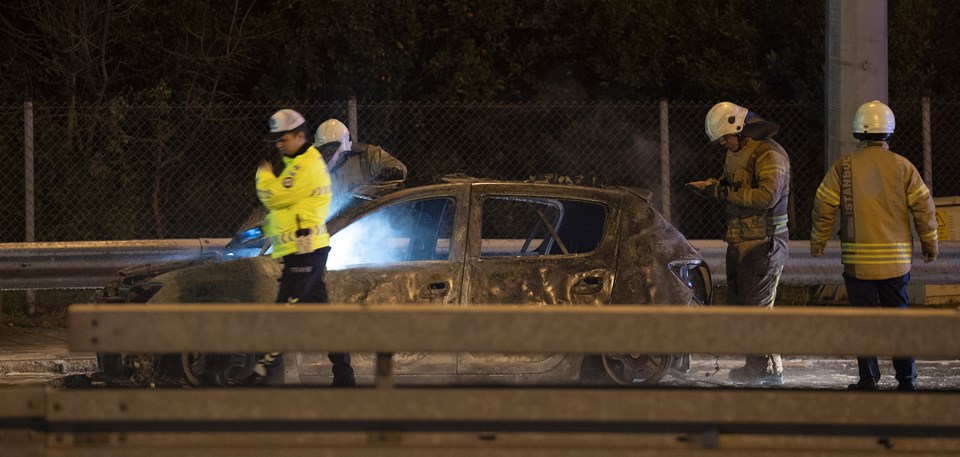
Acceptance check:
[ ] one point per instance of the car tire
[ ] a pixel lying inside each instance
(637, 369)
(625, 369)
(592, 372)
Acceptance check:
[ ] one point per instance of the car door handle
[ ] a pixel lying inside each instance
(435, 290)
(588, 285)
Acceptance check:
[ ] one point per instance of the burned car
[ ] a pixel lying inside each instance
(456, 242)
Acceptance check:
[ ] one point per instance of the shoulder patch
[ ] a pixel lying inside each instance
(287, 182)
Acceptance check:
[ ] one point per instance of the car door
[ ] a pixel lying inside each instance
(406, 249)
(537, 245)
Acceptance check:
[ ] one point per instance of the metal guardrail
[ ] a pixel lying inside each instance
(498, 328)
(803, 270)
(506, 421)
(91, 264)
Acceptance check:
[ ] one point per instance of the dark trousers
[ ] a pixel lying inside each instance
(302, 282)
(886, 293)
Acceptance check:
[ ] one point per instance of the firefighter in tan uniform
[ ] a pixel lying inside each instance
(353, 165)
(755, 188)
(875, 191)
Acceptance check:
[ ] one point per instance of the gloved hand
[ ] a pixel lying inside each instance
(710, 188)
(391, 174)
(927, 258)
(816, 252)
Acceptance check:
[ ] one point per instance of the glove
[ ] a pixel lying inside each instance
(391, 174)
(707, 189)
(816, 252)
(927, 258)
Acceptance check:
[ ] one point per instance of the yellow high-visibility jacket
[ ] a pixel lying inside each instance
(875, 191)
(297, 199)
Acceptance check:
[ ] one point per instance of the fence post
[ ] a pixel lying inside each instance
(927, 147)
(352, 117)
(28, 200)
(664, 159)
(28, 188)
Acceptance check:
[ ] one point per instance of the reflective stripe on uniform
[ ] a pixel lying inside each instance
(323, 190)
(291, 235)
(920, 193)
(771, 169)
(827, 195)
(779, 224)
(876, 253)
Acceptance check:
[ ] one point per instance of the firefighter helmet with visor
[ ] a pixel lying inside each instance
(723, 119)
(332, 131)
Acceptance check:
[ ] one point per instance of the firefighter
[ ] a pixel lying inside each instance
(353, 165)
(298, 200)
(875, 191)
(754, 187)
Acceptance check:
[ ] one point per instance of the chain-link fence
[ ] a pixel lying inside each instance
(124, 171)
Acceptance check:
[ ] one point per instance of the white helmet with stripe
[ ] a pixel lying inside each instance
(874, 117)
(723, 119)
(332, 131)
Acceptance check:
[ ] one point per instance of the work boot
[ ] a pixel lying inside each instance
(343, 381)
(743, 376)
(268, 370)
(863, 385)
(907, 387)
(342, 371)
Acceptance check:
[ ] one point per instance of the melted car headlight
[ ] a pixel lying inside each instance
(694, 274)
(251, 234)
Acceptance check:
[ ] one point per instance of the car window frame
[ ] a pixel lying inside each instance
(607, 199)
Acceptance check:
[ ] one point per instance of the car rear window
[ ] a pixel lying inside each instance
(533, 226)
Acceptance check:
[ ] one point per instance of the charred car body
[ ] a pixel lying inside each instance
(457, 242)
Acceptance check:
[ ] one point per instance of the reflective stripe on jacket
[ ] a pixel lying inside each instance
(297, 199)
(875, 191)
(758, 179)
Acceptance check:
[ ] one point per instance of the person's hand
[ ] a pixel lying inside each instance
(927, 258)
(391, 174)
(816, 252)
(266, 166)
(699, 185)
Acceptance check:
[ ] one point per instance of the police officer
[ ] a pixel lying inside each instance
(353, 165)
(875, 191)
(298, 201)
(754, 187)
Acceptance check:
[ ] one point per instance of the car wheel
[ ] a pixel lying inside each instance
(193, 364)
(636, 369)
(212, 369)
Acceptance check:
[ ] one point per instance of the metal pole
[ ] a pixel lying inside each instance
(28, 171)
(856, 69)
(352, 117)
(927, 148)
(28, 187)
(664, 159)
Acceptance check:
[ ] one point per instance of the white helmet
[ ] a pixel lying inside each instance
(332, 131)
(873, 117)
(723, 119)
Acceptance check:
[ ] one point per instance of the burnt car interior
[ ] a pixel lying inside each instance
(411, 231)
(525, 226)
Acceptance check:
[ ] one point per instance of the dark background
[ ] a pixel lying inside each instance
(90, 51)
